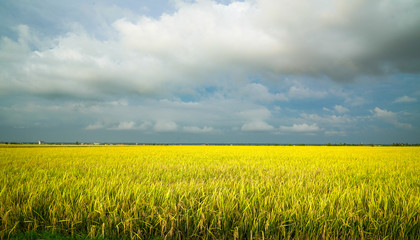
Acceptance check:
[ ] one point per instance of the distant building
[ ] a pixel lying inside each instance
(40, 142)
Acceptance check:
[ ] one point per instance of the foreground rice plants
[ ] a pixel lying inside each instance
(211, 192)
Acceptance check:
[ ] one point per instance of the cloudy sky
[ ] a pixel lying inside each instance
(207, 71)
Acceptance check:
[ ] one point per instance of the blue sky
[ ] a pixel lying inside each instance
(257, 71)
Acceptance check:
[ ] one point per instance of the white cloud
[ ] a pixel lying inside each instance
(121, 125)
(120, 102)
(340, 109)
(165, 126)
(195, 129)
(329, 119)
(301, 128)
(405, 99)
(95, 126)
(389, 117)
(259, 92)
(335, 133)
(382, 113)
(337, 108)
(130, 125)
(300, 92)
(257, 125)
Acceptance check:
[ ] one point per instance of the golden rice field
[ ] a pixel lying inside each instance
(211, 192)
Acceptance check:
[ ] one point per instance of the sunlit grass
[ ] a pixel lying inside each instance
(211, 192)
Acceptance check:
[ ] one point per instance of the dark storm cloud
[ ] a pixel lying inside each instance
(108, 49)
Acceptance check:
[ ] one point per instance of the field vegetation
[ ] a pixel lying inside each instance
(211, 192)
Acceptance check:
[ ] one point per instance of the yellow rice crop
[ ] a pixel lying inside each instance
(211, 192)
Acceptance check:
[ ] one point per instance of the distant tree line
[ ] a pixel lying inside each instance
(405, 144)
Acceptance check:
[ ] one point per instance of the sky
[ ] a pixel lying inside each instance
(207, 71)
